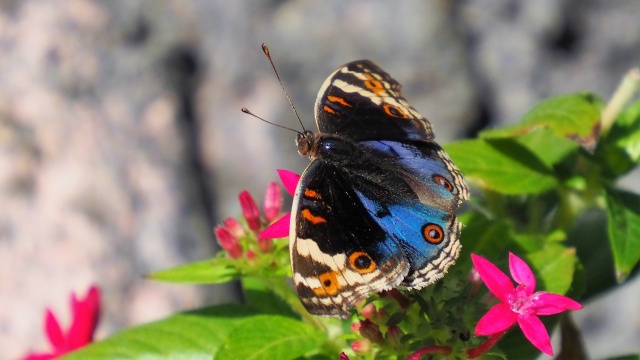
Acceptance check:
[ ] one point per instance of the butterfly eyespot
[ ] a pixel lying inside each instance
(362, 262)
(440, 180)
(432, 233)
(329, 284)
(394, 111)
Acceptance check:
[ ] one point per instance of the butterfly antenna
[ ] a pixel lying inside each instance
(265, 49)
(246, 111)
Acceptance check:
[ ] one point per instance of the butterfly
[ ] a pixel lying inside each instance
(375, 208)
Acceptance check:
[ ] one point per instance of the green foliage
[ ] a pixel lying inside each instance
(193, 335)
(543, 189)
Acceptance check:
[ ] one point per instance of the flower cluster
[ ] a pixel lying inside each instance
(518, 304)
(231, 232)
(85, 314)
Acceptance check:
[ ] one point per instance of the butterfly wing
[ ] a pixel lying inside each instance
(339, 253)
(424, 225)
(361, 101)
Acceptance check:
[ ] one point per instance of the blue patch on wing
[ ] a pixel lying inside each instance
(404, 223)
(423, 163)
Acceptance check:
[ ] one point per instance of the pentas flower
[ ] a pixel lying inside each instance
(231, 232)
(518, 304)
(85, 314)
(280, 228)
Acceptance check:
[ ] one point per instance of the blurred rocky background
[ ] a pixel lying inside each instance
(122, 142)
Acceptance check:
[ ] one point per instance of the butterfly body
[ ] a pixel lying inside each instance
(375, 209)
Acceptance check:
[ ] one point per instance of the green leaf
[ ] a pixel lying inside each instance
(547, 146)
(259, 296)
(575, 117)
(271, 337)
(554, 266)
(619, 150)
(623, 211)
(501, 165)
(628, 126)
(192, 335)
(212, 271)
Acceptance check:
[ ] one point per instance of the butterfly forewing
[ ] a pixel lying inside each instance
(361, 101)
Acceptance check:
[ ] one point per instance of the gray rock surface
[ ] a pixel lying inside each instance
(122, 142)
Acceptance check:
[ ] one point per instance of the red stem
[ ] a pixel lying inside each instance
(432, 349)
(485, 346)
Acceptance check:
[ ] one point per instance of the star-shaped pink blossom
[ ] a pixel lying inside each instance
(85, 318)
(280, 228)
(518, 304)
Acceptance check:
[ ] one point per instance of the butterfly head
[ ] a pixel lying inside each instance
(305, 142)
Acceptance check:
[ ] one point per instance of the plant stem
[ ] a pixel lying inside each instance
(628, 86)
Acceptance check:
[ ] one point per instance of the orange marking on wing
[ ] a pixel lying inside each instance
(338, 100)
(362, 262)
(328, 109)
(374, 85)
(312, 194)
(395, 111)
(315, 220)
(329, 285)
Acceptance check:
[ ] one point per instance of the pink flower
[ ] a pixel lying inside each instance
(280, 228)
(85, 313)
(228, 242)
(250, 210)
(272, 201)
(518, 304)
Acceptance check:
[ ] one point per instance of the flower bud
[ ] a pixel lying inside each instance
(368, 311)
(370, 331)
(234, 227)
(394, 334)
(343, 356)
(228, 242)
(265, 245)
(355, 327)
(250, 210)
(250, 255)
(361, 347)
(272, 202)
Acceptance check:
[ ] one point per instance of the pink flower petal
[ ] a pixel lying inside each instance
(544, 303)
(522, 274)
(498, 318)
(85, 318)
(53, 330)
(278, 229)
(289, 180)
(498, 283)
(41, 356)
(535, 332)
